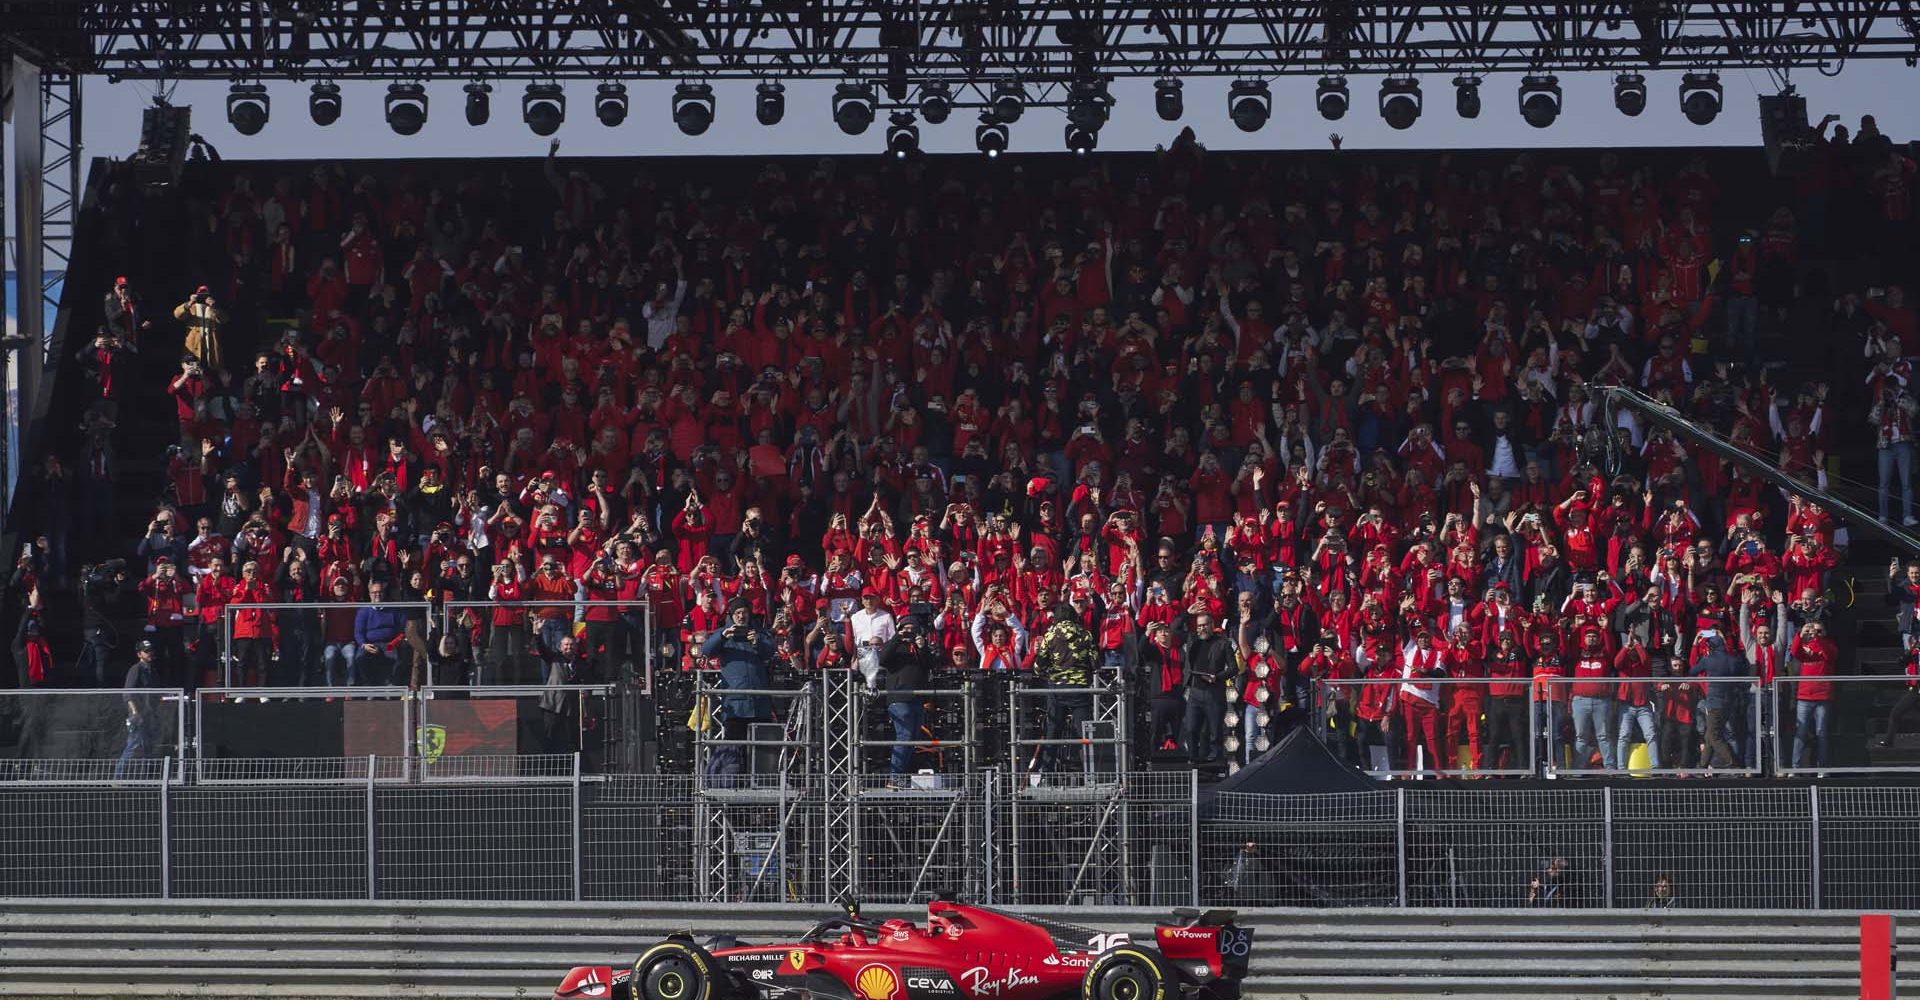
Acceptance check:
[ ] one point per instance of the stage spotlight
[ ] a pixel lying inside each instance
(1331, 97)
(479, 103)
(903, 136)
(1400, 102)
(853, 107)
(770, 102)
(1701, 97)
(248, 107)
(1081, 141)
(406, 108)
(324, 104)
(1630, 94)
(1466, 96)
(1540, 100)
(1008, 101)
(1249, 104)
(1167, 99)
(610, 103)
(990, 136)
(1088, 104)
(1231, 744)
(936, 101)
(693, 107)
(544, 107)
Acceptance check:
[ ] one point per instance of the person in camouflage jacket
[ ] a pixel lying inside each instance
(1064, 658)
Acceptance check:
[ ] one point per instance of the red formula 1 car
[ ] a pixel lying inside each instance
(962, 953)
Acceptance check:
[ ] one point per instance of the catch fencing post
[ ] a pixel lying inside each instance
(1400, 839)
(226, 649)
(986, 821)
(1813, 805)
(577, 817)
(1606, 846)
(166, 833)
(1193, 835)
(373, 767)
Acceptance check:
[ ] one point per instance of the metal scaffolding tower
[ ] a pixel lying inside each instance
(752, 822)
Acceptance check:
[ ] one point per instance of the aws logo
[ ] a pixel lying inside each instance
(875, 982)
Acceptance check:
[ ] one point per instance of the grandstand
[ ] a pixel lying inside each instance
(1468, 529)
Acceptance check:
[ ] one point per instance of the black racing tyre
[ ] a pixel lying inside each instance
(1125, 974)
(673, 970)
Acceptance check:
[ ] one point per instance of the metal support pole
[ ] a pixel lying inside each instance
(648, 629)
(578, 816)
(1606, 846)
(1193, 837)
(166, 828)
(225, 652)
(1400, 843)
(1780, 761)
(373, 881)
(1813, 806)
(991, 856)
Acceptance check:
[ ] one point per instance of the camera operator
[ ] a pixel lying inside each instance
(907, 658)
(745, 654)
(100, 586)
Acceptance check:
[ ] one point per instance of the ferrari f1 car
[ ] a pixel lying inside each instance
(962, 953)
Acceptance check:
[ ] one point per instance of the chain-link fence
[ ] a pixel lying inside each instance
(319, 828)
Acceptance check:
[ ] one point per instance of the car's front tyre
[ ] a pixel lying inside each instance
(673, 970)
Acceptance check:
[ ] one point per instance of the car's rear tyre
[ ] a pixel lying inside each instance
(1125, 974)
(673, 970)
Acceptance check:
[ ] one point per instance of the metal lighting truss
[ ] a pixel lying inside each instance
(963, 41)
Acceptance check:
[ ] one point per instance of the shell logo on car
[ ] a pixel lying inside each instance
(875, 982)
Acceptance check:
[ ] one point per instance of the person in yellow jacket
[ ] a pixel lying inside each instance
(203, 320)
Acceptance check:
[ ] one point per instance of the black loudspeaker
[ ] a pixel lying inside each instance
(1788, 138)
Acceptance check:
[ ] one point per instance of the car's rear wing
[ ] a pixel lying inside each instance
(1187, 916)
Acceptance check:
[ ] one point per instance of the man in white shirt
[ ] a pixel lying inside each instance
(871, 626)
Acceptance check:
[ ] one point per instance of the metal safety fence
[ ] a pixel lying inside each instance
(1611, 727)
(1142, 839)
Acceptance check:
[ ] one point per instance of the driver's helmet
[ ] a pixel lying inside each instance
(896, 929)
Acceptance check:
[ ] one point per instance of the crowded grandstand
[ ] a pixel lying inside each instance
(1326, 442)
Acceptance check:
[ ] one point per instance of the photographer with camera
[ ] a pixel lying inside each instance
(745, 655)
(203, 320)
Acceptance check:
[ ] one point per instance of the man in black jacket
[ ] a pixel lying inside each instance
(906, 658)
(99, 589)
(1209, 663)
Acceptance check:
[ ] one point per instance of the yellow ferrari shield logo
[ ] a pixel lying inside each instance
(433, 742)
(796, 958)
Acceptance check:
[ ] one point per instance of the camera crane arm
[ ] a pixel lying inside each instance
(1665, 416)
